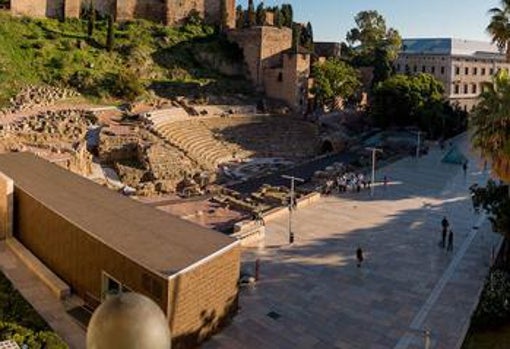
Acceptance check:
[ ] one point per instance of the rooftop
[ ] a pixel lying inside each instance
(450, 46)
(156, 240)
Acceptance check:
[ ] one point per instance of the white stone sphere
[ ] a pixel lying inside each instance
(128, 321)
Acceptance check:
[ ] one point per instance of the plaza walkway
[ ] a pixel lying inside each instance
(312, 295)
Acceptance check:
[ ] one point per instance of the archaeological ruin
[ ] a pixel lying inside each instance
(169, 12)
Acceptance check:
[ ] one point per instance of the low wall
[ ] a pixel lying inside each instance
(6, 206)
(249, 233)
(50, 279)
(305, 201)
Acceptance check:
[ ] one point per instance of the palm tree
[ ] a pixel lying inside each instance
(499, 27)
(490, 124)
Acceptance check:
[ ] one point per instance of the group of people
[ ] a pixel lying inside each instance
(349, 181)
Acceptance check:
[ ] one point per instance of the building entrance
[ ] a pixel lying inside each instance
(111, 286)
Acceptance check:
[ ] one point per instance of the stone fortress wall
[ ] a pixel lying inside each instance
(170, 12)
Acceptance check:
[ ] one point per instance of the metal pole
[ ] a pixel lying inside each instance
(374, 151)
(427, 339)
(291, 234)
(373, 173)
(291, 203)
(418, 145)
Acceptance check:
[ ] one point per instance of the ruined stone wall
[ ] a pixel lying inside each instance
(171, 12)
(289, 83)
(274, 42)
(55, 9)
(213, 15)
(104, 6)
(153, 10)
(177, 11)
(29, 8)
(274, 82)
(262, 48)
(72, 8)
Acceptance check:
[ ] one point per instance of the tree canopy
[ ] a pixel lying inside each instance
(260, 14)
(499, 26)
(416, 100)
(334, 78)
(490, 124)
(371, 33)
(287, 14)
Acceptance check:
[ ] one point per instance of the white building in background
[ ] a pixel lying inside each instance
(461, 65)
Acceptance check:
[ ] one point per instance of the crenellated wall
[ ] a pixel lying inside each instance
(170, 12)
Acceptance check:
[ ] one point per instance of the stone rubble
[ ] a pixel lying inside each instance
(32, 96)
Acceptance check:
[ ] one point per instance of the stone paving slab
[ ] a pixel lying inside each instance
(406, 284)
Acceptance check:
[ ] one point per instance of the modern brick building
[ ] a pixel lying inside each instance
(170, 12)
(98, 241)
(461, 65)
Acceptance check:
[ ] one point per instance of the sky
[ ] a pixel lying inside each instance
(332, 19)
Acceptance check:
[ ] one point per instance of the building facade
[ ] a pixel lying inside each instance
(98, 242)
(461, 65)
(273, 66)
(169, 12)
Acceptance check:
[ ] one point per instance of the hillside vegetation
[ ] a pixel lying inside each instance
(34, 51)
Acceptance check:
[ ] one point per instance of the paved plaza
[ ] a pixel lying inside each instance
(312, 295)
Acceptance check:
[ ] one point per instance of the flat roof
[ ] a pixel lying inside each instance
(158, 241)
(448, 46)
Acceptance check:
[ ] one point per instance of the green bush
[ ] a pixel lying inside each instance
(494, 306)
(33, 340)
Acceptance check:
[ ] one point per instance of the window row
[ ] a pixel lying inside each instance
(431, 70)
(473, 71)
(466, 89)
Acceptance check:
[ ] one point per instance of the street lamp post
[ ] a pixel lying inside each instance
(291, 203)
(374, 151)
(418, 143)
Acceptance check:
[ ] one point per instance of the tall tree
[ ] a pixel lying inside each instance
(261, 14)
(92, 19)
(490, 124)
(288, 15)
(371, 32)
(404, 100)
(499, 27)
(224, 15)
(382, 64)
(334, 78)
(278, 17)
(240, 17)
(251, 14)
(110, 36)
(306, 36)
(297, 29)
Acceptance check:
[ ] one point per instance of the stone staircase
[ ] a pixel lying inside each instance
(211, 141)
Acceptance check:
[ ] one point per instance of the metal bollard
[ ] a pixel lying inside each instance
(426, 334)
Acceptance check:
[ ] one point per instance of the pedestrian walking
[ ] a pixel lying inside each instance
(444, 223)
(359, 256)
(450, 241)
(465, 167)
(385, 182)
